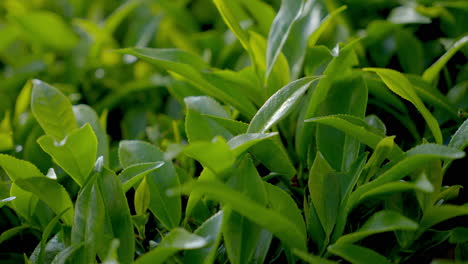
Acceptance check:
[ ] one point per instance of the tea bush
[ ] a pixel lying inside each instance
(233, 131)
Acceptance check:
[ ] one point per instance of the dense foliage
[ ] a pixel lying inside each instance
(240, 131)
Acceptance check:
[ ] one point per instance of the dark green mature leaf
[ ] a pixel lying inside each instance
(269, 219)
(45, 236)
(409, 51)
(7, 234)
(383, 221)
(178, 239)
(76, 158)
(289, 13)
(346, 96)
(241, 235)
(459, 235)
(400, 85)
(357, 254)
(325, 193)
(117, 214)
(52, 193)
(438, 214)
(432, 72)
(166, 209)
(357, 128)
(53, 110)
(342, 62)
(311, 259)
(89, 222)
(279, 105)
(210, 230)
(47, 28)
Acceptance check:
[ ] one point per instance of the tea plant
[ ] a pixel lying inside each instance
(246, 131)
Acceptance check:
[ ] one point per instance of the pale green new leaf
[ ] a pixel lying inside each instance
(53, 110)
(279, 105)
(76, 153)
(52, 193)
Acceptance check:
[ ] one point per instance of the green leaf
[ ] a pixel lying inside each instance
(346, 96)
(210, 230)
(380, 222)
(279, 105)
(282, 203)
(48, 29)
(409, 51)
(131, 175)
(53, 110)
(458, 235)
(382, 152)
(178, 239)
(272, 153)
(325, 193)
(357, 254)
(438, 214)
(324, 24)
(400, 85)
(432, 72)
(52, 193)
(133, 152)
(412, 160)
(215, 155)
(189, 66)
(85, 114)
(241, 235)
(166, 209)
(46, 234)
(231, 13)
(269, 219)
(18, 169)
(240, 143)
(7, 234)
(64, 255)
(76, 153)
(200, 127)
(118, 214)
(357, 128)
(114, 19)
(459, 140)
(142, 198)
(289, 13)
(432, 95)
(88, 227)
(311, 259)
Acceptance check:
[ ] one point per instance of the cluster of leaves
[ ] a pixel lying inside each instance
(293, 131)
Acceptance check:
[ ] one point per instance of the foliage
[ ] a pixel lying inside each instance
(240, 131)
